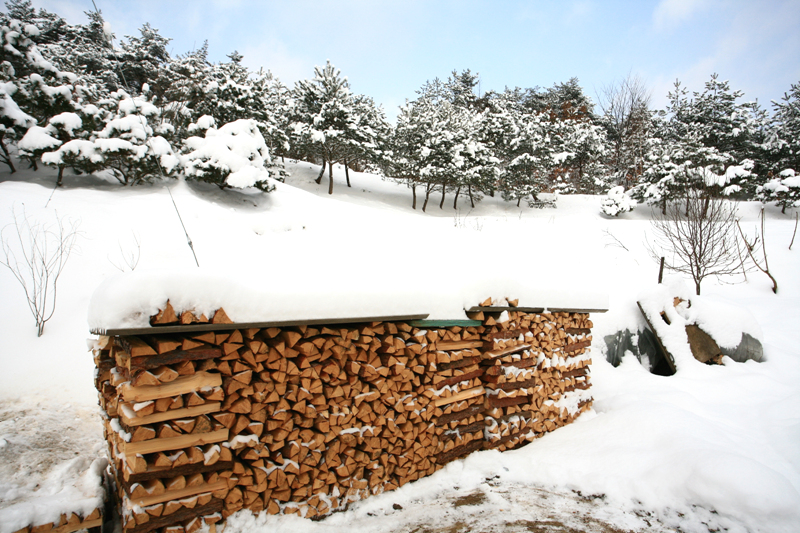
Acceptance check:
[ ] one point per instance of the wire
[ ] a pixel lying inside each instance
(149, 144)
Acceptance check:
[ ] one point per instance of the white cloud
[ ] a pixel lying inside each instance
(670, 13)
(273, 55)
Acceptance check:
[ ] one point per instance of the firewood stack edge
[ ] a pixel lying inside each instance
(308, 418)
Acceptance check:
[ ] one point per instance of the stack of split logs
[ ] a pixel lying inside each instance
(209, 419)
(69, 522)
(536, 372)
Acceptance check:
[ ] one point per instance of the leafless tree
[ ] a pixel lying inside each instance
(697, 235)
(36, 254)
(626, 112)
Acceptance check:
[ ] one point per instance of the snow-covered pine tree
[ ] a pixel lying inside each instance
(323, 116)
(783, 151)
(128, 141)
(33, 88)
(519, 141)
(364, 136)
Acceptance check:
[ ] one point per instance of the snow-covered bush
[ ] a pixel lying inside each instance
(234, 155)
(784, 190)
(126, 141)
(617, 201)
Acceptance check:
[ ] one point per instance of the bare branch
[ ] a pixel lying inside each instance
(36, 254)
(752, 247)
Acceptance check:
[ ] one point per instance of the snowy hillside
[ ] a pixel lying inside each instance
(711, 448)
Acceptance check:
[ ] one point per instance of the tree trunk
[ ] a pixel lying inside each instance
(321, 173)
(519, 200)
(60, 175)
(414, 196)
(346, 173)
(7, 155)
(455, 202)
(444, 193)
(330, 177)
(697, 287)
(427, 196)
(471, 198)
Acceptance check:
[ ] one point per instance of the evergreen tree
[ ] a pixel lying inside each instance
(324, 118)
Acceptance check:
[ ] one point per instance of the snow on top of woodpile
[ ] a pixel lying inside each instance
(129, 300)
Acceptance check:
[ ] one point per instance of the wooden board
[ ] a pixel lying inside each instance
(506, 351)
(664, 352)
(178, 494)
(498, 309)
(173, 414)
(181, 385)
(173, 443)
(463, 395)
(458, 345)
(167, 472)
(464, 323)
(197, 328)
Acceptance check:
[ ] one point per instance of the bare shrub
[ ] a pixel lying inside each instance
(36, 254)
(128, 257)
(753, 246)
(697, 236)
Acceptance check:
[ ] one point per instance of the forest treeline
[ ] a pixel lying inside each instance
(72, 100)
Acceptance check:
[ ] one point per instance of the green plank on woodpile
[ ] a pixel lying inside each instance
(464, 323)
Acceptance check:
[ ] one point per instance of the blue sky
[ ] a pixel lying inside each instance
(389, 49)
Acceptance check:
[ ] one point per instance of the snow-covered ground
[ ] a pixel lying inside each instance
(711, 448)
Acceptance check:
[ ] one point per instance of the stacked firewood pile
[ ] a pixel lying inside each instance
(536, 372)
(306, 419)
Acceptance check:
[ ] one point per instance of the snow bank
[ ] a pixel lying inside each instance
(247, 295)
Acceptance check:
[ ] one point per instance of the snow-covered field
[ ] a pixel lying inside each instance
(713, 448)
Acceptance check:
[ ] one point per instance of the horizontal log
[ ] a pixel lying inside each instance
(460, 415)
(459, 451)
(458, 379)
(173, 443)
(185, 470)
(174, 357)
(575, 310)
(493, 354)
(173, 414)
(578, 331)
(463, 395)
(467, 361)
(178, 494)
(214, 506)
(493, 401)
(457, 345)
(576, 346)
(496, 370)
(181, 385)
(471, 428)
(512, 385)
(199, 328)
